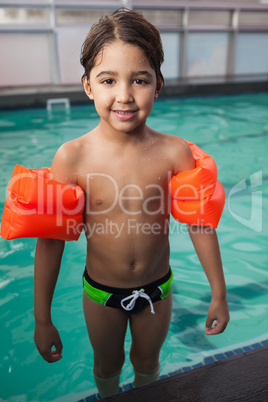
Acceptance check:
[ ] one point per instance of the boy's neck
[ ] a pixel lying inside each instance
(115, 136)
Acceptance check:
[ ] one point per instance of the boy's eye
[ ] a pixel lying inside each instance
(109, 81)
(139, 81)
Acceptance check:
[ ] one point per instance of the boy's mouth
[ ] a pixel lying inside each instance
(124, 114)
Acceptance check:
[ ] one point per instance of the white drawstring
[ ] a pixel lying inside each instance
(136, 294)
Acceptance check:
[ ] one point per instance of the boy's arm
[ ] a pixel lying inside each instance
(206, 244)
(207, 248)
(47, 265)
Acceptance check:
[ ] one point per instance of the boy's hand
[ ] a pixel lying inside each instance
(45, 337)
(218, 311)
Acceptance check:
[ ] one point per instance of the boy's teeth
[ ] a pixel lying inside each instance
(120, 112)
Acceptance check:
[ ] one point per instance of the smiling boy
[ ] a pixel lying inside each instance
(124, 168)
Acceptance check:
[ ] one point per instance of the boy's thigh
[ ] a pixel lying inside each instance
(149, 331)
(106, 328)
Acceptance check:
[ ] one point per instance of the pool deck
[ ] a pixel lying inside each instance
(37, 96)
(241, 377)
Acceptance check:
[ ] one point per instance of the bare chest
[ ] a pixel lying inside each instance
(132, 188)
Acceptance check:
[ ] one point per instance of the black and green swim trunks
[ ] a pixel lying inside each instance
(132, 300)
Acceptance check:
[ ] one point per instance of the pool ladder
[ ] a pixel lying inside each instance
(58, 104)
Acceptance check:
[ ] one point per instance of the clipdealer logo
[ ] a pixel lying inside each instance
(53, 198)
(255, 221)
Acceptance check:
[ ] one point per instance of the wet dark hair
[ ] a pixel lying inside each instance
(130, 27)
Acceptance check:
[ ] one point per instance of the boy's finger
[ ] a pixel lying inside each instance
(218, 328)
(58, 346)
(57, 352)
(211, 331)
(52, 356)
(56, 356)
(209, 322)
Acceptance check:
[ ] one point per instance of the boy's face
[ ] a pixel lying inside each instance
(123, 86)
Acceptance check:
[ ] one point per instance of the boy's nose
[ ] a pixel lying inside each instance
(124, 94)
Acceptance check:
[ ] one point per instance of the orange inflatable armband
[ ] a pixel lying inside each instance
(197, 197)
(37, 206)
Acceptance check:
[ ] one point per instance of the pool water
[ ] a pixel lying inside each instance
(234, 130)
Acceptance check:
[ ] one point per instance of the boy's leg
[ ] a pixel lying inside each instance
(106, 330)
(148, 334)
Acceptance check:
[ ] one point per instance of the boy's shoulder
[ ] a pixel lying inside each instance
(170, 139)
(74, 145)
(72, 149)
(66, 159)
(177, 150)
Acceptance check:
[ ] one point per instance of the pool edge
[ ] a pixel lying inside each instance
(175, 380)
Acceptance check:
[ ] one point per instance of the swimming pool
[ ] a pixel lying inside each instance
(234, 130)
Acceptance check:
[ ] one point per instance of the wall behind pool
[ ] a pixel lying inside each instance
(210, 48)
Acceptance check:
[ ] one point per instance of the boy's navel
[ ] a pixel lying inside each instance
(132, 266)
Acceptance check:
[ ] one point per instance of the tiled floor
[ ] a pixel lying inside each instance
(206, 360)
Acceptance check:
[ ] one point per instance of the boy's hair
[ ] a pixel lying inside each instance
(130, 27)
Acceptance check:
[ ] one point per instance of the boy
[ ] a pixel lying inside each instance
(124, 168)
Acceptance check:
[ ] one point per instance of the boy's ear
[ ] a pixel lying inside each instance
(87, 89)
(159, 86)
